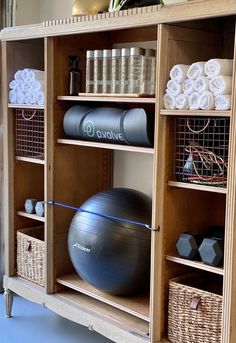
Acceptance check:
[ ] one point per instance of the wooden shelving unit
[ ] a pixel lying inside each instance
(74, 170)
(138, 306)
(106, 146)
(195, 264)
(28, 107)
(30, 160)
(128, 324)
(195, 113)
(120, 99)
(31, 216)
(197, 187)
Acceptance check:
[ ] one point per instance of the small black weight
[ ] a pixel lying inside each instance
(30, 205)
(39, 208)
(216, 231)
(187, 245)
(212, 251)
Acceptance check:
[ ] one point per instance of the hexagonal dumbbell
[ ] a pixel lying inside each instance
(187, 245)
(39, 208)
(212, 251)
(216, 231)
(30, 205)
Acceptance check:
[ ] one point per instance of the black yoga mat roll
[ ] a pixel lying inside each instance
(106, 124)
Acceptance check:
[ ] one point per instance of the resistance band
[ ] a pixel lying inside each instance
(52, 202)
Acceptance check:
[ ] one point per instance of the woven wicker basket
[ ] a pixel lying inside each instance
(31, 254)
(194, 314)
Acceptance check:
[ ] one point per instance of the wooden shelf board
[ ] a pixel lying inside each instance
(107, 146)
(196, 113)
(137, 305)
(24, 106)
(83, 310)
(195, 264)
(197, 187)
(126, 321)
(29, 159)
(108, 98)
(31, 216)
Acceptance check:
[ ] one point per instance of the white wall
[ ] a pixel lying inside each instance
(27, 12)
(133, 170)
(55, 9)
(37, 11)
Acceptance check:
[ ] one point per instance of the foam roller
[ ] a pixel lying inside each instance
(114, 125)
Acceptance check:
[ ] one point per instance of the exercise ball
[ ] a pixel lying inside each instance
(112, 255)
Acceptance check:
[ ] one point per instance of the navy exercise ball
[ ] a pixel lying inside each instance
(112, 255)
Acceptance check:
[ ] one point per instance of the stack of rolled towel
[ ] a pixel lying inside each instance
(201, 85)
(27, 87)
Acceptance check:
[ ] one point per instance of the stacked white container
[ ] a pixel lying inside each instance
(98, 72)
(148, 73)
(124, 78)
(90, 71)
(116, 71)
(107, 71)
(135, 70)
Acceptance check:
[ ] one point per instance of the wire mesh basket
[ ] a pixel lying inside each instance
(201, 150)
(30, 133)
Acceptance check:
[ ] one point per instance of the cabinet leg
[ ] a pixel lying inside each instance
(8, 297)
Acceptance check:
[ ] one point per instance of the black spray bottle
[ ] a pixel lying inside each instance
(75, 76)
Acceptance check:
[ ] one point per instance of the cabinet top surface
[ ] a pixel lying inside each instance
(136, 17)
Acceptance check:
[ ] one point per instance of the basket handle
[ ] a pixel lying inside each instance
(195, 302)
(28, 246)
(201, 130)
(31, 117)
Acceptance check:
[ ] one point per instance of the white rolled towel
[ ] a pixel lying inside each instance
(19, 97)
(201, 84)
(196, 70)
(194, 101)
(25, 74)
(221, 85)
(179, 72)
(12, 96)
(40, 98)
(37, 85)
(26, 98)
(12, 84)
(182, 102)
(223, 102)
(27, 86)
(169, 102)
(35, 74)
(18, 75)
(188, 86)
(20, 86)
(217, 66)
(207, 101)
(30, 97)
(173, 87)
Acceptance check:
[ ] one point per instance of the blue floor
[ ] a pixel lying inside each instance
(32, 323)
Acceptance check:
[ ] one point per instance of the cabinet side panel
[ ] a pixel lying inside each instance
(7, 59)
(229, 291)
